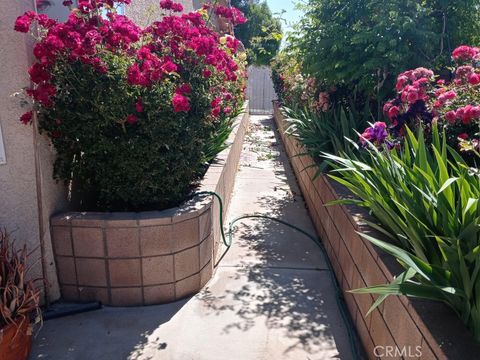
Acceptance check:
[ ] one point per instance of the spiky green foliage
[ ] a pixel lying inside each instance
(323, 131)
(428, 205)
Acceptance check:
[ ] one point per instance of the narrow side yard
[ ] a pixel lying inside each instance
(271, 296)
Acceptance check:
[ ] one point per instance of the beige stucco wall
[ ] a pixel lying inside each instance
(27, 174)
(144, 12)
(19, 211)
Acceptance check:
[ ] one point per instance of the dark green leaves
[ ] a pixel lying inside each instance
(428, 201)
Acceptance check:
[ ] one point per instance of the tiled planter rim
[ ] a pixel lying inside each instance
(399, 322)
(151, 257)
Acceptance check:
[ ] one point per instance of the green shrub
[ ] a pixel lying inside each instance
(261, 34)
(428, 204)
(366, 43)
(321, 132)
(133, 114)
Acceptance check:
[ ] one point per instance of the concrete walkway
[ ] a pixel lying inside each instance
(271, 297)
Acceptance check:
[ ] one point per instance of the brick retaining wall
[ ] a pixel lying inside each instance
(127, 259)
(357, 263)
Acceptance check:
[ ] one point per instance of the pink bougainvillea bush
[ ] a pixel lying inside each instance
(423, 98)
(132, 111)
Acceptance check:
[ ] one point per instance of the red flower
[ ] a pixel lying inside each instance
(401, 81)
(474, 79)
(412, 97)
(27, 117)
(451, 116)
(180, 103)
(449, 95)
(216, 111)
(176, 43)
(132, 119)
(183, 89)
(38, 73)
(440, 91)
(136, 77)
(22, 24)
(169, 67)
(44, 94)
(232, 14)
(393, 112)
(176, 7)
(170, 5)
(387, 106)
(463, 136)
(55, 134)
(216, 102)
(464, 52)
(139, 106)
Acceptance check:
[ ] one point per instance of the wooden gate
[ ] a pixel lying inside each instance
(260, 90)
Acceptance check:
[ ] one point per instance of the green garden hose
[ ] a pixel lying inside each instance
(227, 240)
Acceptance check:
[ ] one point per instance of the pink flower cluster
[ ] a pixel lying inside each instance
(170, 5)
(449, 99)
(150, 68)
(412, 84)
(443, 96)
(464, 114)
(188, 41)
(80, 38)
(87, 6)
(465, 53)
(179, 44)
(232, 14)
(455, 105)
(466, 74)
(180, 100)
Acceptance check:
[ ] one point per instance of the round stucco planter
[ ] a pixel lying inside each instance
(146, 258)
(127, 259)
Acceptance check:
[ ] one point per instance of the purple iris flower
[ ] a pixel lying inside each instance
(376, 134)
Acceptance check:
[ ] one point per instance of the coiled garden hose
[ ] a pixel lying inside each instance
(227, 240)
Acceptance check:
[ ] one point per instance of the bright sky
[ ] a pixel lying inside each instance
(291, 15)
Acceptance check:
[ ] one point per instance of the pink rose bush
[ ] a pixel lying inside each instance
(294, 88)
(454, 104)
(138, 103)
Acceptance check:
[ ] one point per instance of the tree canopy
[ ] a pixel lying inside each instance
(261, 34)
(368, 42)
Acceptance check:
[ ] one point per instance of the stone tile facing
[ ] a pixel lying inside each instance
(156, 240)
(91, 272)
(88, 242)
(186, 234)
(124, 272)
(62, 240)
(158, 270)
(122, 242)
(146, 258)
(187, 263)
(158, 294)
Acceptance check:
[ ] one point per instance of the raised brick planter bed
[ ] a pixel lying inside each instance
(128, 259)
(400, 328)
